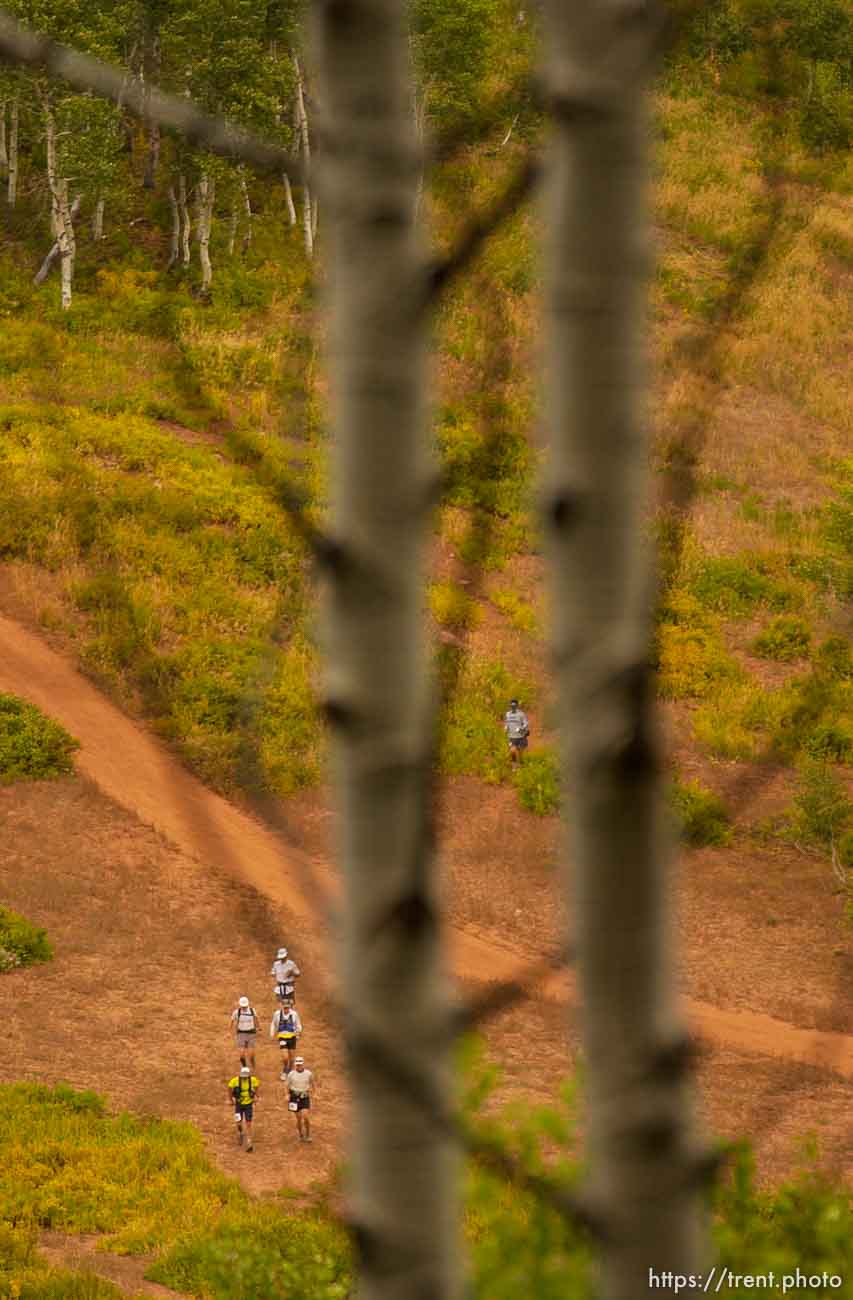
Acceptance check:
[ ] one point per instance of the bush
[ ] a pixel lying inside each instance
(537, 780)
(834, 658)
(520, 614)
(691, 660)
(785, 639)
(452, 607)
(21, 942)
(736, 584)
(32, 746)
(701, 814)
(822, 811)
(473, 740)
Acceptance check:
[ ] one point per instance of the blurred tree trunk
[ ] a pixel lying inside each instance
(186, 224)
(98, 219)
(643, 1166)
(4, 152)
(404, 1192)
(175, 238)
(247, 208)
(205, 198)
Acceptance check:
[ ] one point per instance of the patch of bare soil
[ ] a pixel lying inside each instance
(154, 943)
(81, 1254)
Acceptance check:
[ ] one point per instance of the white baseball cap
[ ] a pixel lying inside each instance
(244, 1002)
(245, 1070)
(282, 952)
(300, 1060)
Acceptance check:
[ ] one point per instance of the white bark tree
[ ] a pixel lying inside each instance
(12, 177)
(175, 236)
(4, 152)
(405, 1173)
(63, 225)
(205, 195)
(305, 147)
(98, 218)
(288, 198)
(186, 224)
(643, 1163)
(247, 208)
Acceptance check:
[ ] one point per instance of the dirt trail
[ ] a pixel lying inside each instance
(135, 770)
(80, 1253)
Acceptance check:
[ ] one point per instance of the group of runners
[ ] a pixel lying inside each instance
(286, 1024)
(286, 1029)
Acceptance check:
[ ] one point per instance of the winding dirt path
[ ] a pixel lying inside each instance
(80, 1253)
(136, 771)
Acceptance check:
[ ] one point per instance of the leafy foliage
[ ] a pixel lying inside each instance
(32, 746)
(537, 780)
(21, 942)
(784, 639)
(701, 814)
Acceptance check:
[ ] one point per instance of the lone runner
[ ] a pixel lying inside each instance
(243, 1089)
(300, 1083)
(517, 729)
(245, 1024)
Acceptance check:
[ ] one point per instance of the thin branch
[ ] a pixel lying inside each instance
(492, 117)
(472, 240)
(220, 136)
(499, 997)
(364, 1042)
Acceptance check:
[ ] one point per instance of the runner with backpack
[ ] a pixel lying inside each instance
(245, 1024)
(300, 1083)
(243, 1090)
(286, 1026)
(286, 971)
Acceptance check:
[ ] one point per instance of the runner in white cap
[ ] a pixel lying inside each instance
(285, 970)
(300, 1083)
(245, 1024)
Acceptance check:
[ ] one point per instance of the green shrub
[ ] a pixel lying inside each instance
(32, 746)
(835, 658)
(734, 585)
(452, 607)
(537, 780)
(21, 942)
(701, 814)
(520, 614)
(822, 810)
(785, 639)
(690, 657)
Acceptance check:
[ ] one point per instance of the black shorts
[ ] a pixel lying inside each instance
(287, 1044)
(245, 1112)
(302, 1103)
(518, 742)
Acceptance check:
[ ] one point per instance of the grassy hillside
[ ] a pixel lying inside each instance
(148, 439)
(147, 1187)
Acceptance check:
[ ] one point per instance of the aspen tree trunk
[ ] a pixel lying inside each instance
(44, 270)
(305, 145)
(186, 225)
(247, 208)
(60, 210)
(12, 179)
(404, 1189)
(232, 227)
(4, 152)
(315, 218)
(175, 238)
(98, 219)
(205, 220)
(151, 64)
(643, 1165)
(288, 196)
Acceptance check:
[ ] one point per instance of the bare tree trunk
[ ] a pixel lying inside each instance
(44, 270)
(98, 219)
(151, 63)
(315, 218)
(643, 1180)
(405, 1175)
(247, 207)
(186, 224)
(288, 196)
(60, 210)
(12, 179)
(232, 226)
(4, 153)
(305, 146)
(203, 225)
(175, 238)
